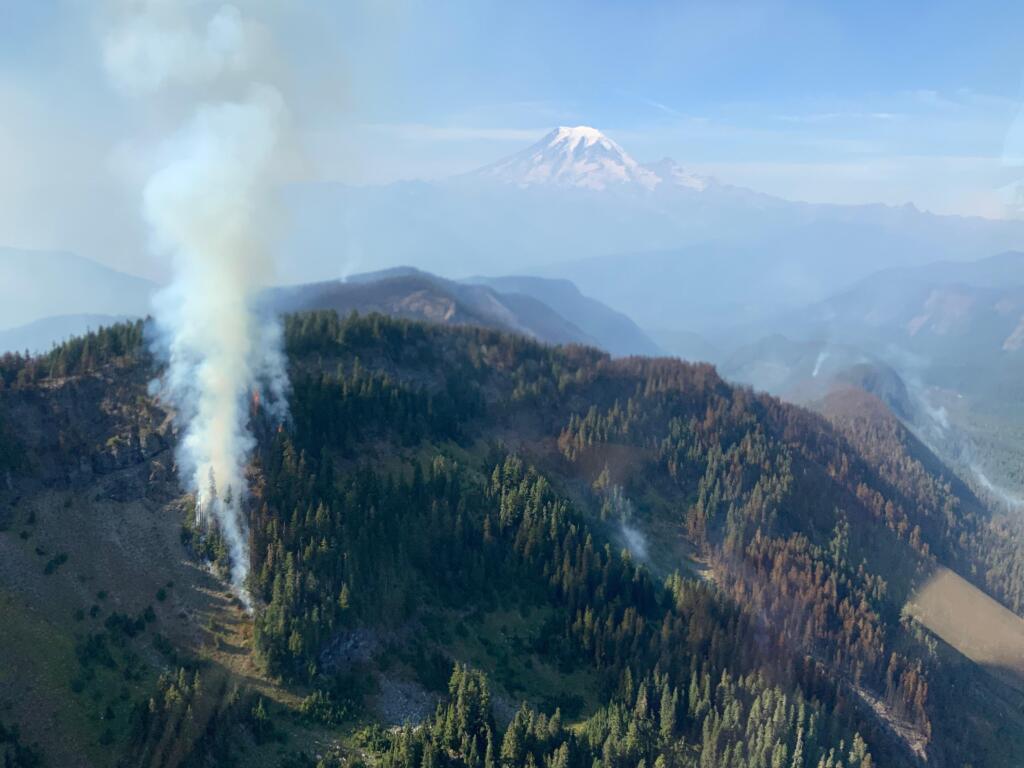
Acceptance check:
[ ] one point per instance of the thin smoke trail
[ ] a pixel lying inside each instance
(206, 206)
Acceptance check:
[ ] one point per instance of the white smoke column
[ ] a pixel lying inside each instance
(206, 204)
(822, 357)
(201, 207)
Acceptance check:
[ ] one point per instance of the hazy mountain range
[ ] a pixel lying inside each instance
(782, 295)
(946, 322)
(673, 250)
(41, 284)
(670, 248)
(614, 331)
(941, 344)
(40, 335)
(553, 311)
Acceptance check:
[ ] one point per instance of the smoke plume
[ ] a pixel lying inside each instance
(206, 205)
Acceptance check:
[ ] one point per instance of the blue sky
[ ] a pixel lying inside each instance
(840, 102)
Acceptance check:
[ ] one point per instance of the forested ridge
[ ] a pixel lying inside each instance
(430, 477)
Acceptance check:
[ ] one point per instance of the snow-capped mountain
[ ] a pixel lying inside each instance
(585, 158)
(671, 173)
(671, 249)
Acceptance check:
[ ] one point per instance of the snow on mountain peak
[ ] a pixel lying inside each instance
(578, 156)
(671, 172)
(583, 157)
(571, 137)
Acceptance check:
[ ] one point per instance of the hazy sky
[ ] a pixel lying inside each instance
(845, 102)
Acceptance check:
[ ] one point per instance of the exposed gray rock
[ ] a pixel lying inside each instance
(350, 649)
(398, 702)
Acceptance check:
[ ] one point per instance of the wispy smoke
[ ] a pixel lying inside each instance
(156, 44)
(822, 357)
(933, 426)
(636, 541)
(1012, 501)
(616, 506)
(206, 205)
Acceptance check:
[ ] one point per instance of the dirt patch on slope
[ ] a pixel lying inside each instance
(973, 623)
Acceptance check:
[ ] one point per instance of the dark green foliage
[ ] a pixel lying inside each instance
(347, 408)
(362, 547)
(461, 732)
(366, 519)
(738, 722)
(206, 542)
(15, 753)
(336, 700)
(195, 720)
(55, 562)
(11, 453)
(168, 718)
(95, 650)
(392, 504)
(119, 624)
(120, 344)
(942, 515)
(260, 723)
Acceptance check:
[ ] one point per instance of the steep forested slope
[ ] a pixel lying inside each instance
(665, 570)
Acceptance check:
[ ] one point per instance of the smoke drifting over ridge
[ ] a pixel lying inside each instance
(206, 204)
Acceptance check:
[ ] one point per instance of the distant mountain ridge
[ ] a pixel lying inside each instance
(40, 335)
(941, 344)
(614, 331)
(550, 311)
(955, 325)
(997, 271)
(671, 248)
(40, 284)
(414, 295)
(948, 312)
(553, 311)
